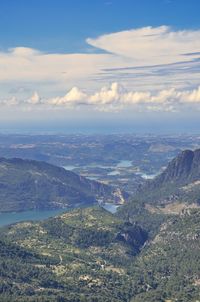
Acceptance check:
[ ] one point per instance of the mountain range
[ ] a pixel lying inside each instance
(143, 253)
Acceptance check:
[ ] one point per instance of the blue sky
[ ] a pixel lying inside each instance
(63, 25)
(122, 63)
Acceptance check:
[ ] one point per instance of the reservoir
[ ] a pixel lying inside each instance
(37, 215)
(34, 215)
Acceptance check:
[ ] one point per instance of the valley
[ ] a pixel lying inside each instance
(67, 237)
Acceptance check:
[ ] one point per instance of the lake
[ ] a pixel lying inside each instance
(113, 173)
(112, 208)
(121, 164)
(124, 164)
(70, 167)
(147, 176)
(9, 218)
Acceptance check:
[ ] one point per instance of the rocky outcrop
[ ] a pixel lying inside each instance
(167, 187)
(133, 235)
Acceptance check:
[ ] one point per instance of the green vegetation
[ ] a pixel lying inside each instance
(91, 255)
(136, 212)
(170, 265)
(83, 255)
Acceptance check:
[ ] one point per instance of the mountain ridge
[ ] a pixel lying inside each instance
(169, 186)
(184, 167)
(30, 184)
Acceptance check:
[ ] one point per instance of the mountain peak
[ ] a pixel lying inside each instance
(186, 166)
(183, 170)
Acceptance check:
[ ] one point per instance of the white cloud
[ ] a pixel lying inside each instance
(74, 96)
(26, 64)
(34, 99)
(165, 96)
(191, 96)
(115, 97)
(23, 52)
(10, 102)
(151, 68)
(135, 97)
(106, 95)
(132, 48)
(149, 46)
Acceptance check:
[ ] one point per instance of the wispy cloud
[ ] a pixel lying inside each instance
(150, 46)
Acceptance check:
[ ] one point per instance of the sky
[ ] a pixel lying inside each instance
(100, 65)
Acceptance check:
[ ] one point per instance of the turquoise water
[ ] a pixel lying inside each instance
(147, 176)
(9, 218)
(69, 167)
(124, 164)
(113, 173)
(112, 208)
(92, 177)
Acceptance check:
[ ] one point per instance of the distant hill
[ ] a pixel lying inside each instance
(179, 181)
(29, 184)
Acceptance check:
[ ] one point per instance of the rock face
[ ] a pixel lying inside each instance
(29, 184)
(133, 235)
(185, 167)
(184, 170)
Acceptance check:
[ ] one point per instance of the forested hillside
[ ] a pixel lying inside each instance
(92, 255)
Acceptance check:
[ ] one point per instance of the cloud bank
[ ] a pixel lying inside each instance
(148, 68)
(115, 98)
